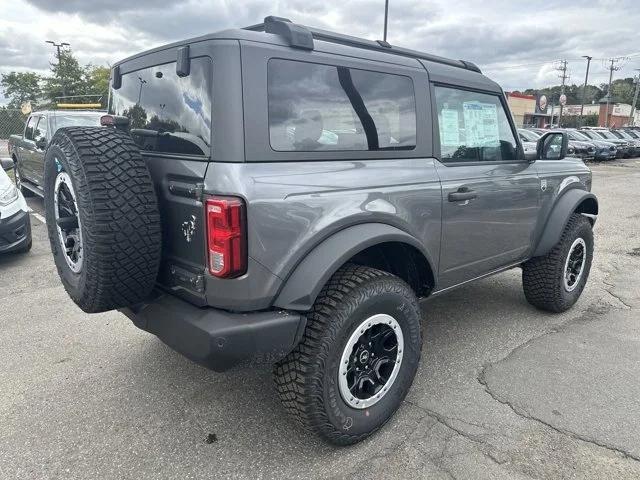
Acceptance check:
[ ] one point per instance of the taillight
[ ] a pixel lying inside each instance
(226, 246)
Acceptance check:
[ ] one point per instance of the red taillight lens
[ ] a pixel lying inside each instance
(226, 252)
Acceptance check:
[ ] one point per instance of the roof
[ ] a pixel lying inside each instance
(281, 31)
(520, 95)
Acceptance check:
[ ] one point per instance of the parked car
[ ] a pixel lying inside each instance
(577, 148)
(604, 150)
(320, 205)
(625, 148)
(623, 135)
(529, 143)
(15, 225)
(27, 150)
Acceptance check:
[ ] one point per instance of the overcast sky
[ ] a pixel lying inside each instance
(509, 40)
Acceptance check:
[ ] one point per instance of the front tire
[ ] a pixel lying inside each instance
(555, 281)
(358, 356)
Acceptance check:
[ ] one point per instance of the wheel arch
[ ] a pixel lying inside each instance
(376, 245)
(573, 201)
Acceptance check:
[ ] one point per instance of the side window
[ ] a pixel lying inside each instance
(29, 129)
(315, 107)
(168, 113)
(473, 127)
(40, 133)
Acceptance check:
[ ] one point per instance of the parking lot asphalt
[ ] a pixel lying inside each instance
(503, 391)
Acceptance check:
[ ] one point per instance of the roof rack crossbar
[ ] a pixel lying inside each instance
(285, 28)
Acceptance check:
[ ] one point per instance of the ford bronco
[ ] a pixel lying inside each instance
(284, 195)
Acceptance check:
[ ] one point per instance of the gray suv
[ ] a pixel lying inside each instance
(283, 195)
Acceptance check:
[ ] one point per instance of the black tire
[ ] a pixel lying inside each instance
(17, 174)
(307, 379)
(543, 277)
(119, 222)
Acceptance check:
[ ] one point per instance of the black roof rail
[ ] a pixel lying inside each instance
(301, 36)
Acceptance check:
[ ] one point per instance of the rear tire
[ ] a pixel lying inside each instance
(358, 304)
(555, 281)
(102, 217)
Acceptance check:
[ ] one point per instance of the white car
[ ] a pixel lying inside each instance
(15, 225)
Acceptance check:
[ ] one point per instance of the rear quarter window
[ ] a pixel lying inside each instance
(168, 113)
(317, 107)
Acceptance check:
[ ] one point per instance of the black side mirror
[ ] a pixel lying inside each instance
(7, 163)
(41, 143)
(552, 146)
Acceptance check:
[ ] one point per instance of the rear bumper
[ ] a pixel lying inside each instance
(218, 339)
(15, 232)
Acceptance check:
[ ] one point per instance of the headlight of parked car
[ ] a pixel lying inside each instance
(8, 195)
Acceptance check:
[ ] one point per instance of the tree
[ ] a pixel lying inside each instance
(20, 87)
(97, 81)
(67, 77)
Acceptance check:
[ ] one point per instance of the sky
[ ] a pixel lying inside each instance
(513, 42)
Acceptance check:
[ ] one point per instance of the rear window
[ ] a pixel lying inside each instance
(168, 113)
(315, 107)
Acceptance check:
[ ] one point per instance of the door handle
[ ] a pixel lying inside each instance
(462, 194)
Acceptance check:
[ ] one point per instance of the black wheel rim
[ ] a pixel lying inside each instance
(68, 222)
(371, 361)
(574, 265)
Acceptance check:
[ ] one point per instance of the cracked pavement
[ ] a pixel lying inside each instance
(503, 391)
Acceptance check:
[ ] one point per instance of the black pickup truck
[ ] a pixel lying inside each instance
(27, 150)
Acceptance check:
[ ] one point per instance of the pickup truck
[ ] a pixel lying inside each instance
(27, 150)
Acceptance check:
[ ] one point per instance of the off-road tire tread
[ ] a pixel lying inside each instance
(121, 223)
(542, 276)
(299, 376)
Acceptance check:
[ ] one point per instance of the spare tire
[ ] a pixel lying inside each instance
(102, 217)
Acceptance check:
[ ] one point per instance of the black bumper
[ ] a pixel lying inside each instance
(217, 339)
(15, 232)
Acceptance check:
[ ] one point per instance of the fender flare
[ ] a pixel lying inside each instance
(566, 205)
(303, 285)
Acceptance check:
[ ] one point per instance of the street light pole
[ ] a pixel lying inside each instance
(635, 100)
(142, 82)
(58, 47)
(584, 89)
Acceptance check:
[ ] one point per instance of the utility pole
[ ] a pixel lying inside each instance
(58, 47)
(615, 64)
(584, 89)
(635, 100)
(562, 68)
(386, 18)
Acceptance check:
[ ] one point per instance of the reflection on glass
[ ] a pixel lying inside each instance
(167, 113)
(315, 107)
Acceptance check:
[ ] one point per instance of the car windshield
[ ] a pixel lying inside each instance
(528, 135)
(578, 136)
(60, 120)
(608, 135)
(622, 134)
(632, 134)
(591, 135)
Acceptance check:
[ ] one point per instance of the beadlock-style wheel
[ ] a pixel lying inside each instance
(68, 222)
(574, 265)
(370, 361)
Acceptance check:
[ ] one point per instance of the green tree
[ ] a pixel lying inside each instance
(97, 81)
(67, 78)
(20, 87)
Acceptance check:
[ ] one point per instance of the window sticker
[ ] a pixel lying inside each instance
(481, 124)
(449, 128)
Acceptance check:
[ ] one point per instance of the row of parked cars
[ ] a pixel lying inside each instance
(590, 143)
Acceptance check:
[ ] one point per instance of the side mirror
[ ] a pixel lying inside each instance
(7, 163)
(41, 143)
(552, 146)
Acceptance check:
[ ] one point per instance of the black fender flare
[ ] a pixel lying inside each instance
(303, 285)
(565, 206)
